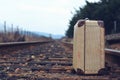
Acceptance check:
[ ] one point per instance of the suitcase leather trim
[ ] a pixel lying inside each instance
(81, 23)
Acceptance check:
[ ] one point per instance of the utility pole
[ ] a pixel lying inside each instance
(5, 33)
(12, 27)
(115, 26)
(50, 36)
(5, 27)
(18, 28)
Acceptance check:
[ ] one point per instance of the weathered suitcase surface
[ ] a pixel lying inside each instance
(88, 50)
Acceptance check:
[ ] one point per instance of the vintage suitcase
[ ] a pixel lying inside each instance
(88, 47)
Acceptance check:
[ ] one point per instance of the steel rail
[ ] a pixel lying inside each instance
(107, 50)
(112, 51)
(21, 43)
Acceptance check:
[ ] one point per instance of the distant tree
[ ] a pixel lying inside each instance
(106, 10)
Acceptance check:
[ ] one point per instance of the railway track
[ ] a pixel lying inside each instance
(40, 61)
(112, 58)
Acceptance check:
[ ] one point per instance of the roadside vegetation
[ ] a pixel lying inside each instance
(106, 10)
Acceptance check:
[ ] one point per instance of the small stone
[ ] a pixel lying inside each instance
(29, 59)
(41, 55)
(42, 71)
(52, 46)
(68, 71)
(8, 68)
(49, 50)
(17, 70)
(58, 46)
(25, 64)
(33, 57)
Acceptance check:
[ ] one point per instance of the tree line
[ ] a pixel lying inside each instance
(106, 10)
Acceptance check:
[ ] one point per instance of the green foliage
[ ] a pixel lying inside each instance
(106, 10)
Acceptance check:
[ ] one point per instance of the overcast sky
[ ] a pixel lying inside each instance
(50, 16)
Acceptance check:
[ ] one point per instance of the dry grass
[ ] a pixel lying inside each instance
(17, 37)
